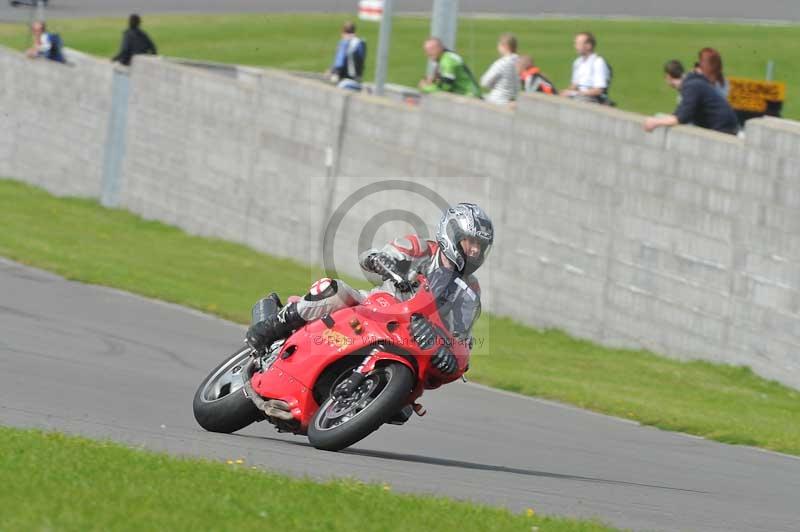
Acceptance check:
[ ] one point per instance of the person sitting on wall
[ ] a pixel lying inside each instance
(134, 41)
(532, 79)
(591, 75)
(701, 104)
(45, 44)
(501, 78)
(451, 73)
(349, 60)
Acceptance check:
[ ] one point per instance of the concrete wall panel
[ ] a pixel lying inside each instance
(684, 242)
(55, 120)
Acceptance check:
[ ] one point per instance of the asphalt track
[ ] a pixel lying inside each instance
(106, 364)
(774, 10)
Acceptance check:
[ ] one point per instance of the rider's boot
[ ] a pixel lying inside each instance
(275, 327)
(266, 307)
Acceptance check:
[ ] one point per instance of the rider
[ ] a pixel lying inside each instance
(464, 238)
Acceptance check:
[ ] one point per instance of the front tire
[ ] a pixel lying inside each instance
(220, 404)
(339, 423)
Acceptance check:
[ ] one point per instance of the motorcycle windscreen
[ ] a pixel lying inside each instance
(459, 306)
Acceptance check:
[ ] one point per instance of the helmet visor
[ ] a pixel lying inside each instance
(474, 251)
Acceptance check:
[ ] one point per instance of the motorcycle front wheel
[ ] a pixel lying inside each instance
(341, 422)
(220, 404)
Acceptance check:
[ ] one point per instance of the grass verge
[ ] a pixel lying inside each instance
(636, 49)
(66, 483)
(83, 241)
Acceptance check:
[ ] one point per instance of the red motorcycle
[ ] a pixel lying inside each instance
(339, 378)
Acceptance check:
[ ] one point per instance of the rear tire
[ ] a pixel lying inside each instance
(387, 387)
(220, 404)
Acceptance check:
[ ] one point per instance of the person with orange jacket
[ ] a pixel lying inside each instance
(531, 77)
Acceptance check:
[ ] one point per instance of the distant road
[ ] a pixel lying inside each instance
(774, 10)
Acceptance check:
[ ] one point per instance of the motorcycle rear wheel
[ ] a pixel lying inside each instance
(339, 423)
(220, 404)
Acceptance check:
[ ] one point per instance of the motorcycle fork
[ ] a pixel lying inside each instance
(356, 378)
(360, 373)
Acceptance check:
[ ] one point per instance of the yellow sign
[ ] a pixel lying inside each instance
(753, 95)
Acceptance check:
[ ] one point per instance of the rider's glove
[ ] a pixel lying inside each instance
(445, 361)
(405, 286)
(381, 263)
(423, 331)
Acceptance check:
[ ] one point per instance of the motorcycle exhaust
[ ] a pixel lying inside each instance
(278, 409)
(271, 407)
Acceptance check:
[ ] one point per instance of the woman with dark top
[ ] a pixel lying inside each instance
(701, 104)
(710, 64)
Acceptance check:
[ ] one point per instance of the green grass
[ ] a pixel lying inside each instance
(57, 482)
(81, 240)
(636, 49)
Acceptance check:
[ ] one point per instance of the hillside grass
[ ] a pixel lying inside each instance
(57, 482)
(637, 49)
(80, 240)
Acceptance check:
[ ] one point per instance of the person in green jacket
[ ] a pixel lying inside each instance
(451, 75)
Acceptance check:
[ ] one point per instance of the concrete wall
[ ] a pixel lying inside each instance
(226, 158)
(682, 242)
(54, 121)
(685, 242)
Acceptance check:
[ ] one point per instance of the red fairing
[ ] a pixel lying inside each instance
(375, 331)
(414, 247)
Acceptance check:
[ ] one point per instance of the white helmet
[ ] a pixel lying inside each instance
(465, 220)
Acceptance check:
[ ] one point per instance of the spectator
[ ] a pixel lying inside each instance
(591, 75)
(348, 63)
(501, 78)
(134, 41)
(451, 73)
(531, 77)
(45, 44)
(700, 103)
(710, 64)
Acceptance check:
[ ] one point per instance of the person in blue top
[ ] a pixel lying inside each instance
(348, 63)
(701, 104)
(45, 44)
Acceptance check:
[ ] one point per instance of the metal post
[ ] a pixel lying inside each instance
(384, 41)
(114, 150)
(770, 70)
(36, 14)
(40, 17)
(444, 23)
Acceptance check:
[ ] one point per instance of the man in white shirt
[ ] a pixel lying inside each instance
(590, 73)
(502, 79)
